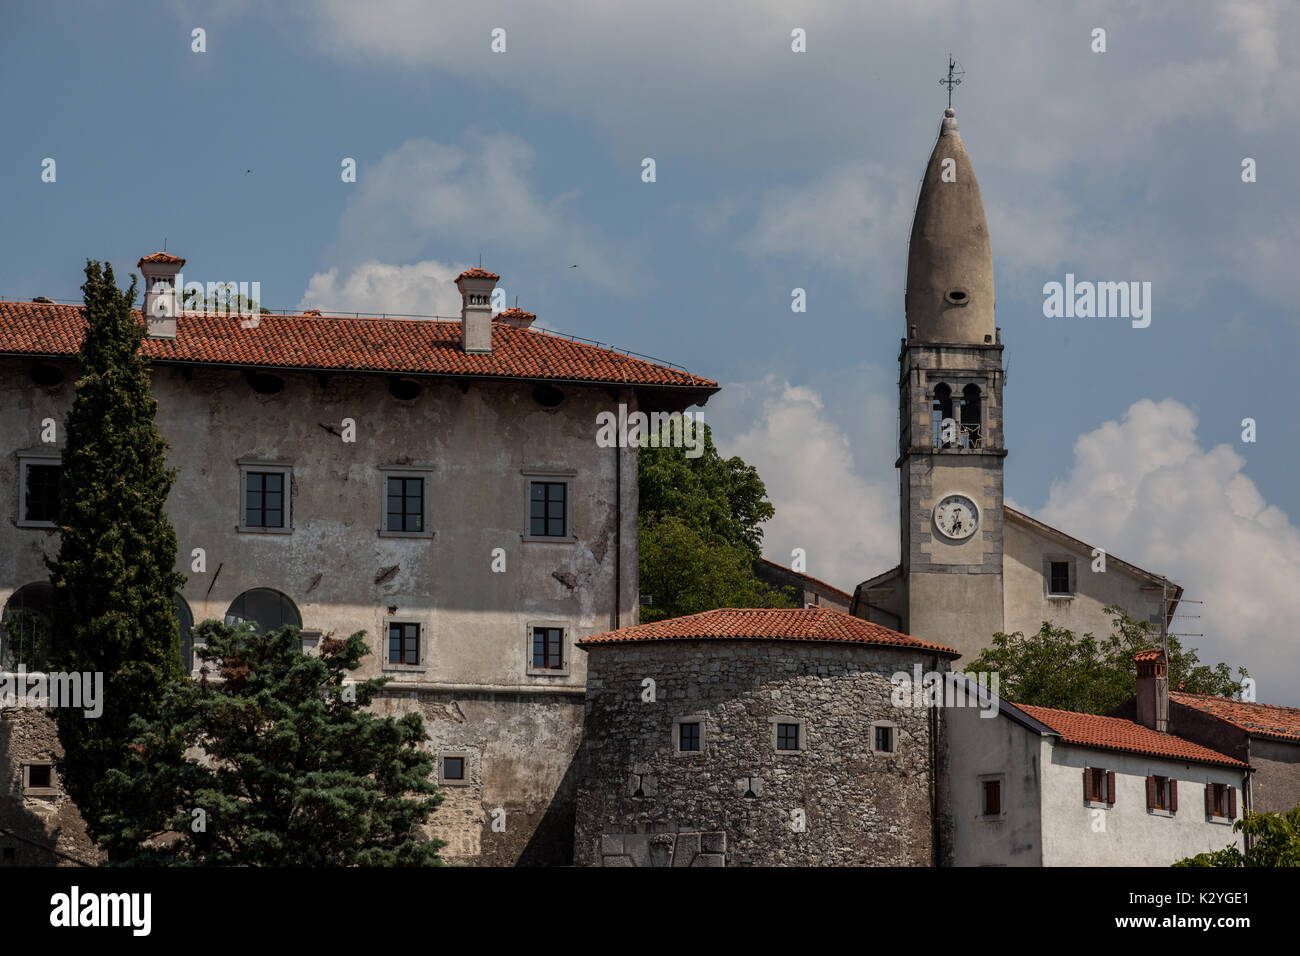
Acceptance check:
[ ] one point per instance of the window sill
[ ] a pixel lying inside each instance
(42, 525)
(993, 818)
(548, 539)
(1061, 597)
(547, 672)
(406, 534)
(40, 792)
(1160, 812)
(246, 530)
(1097, 804)
(419, 670)
(1226, 821)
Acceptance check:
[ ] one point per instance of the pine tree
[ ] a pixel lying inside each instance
(114, 577)
(277, 764)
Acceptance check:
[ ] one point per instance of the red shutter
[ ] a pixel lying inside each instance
(1232, 803)
(1087, 794)
(1173, 795)
(1209, 799)
(1110, 786)
(1151, 793)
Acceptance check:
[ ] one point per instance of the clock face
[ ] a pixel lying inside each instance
(956, 517)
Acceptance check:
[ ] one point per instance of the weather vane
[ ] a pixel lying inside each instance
(953, 78)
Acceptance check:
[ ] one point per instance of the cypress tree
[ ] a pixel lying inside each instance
(114, 577)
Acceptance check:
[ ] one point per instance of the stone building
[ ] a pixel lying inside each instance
(763, 737)
(970, 566)
(436, 484)
(808, 590)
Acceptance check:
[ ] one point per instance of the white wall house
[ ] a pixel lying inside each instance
(1033, 786)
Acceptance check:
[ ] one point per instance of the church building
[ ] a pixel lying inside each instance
(969, 565)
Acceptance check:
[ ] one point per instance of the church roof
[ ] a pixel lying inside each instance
(950, 258)
(313, 342)
(769, 624)
(1259, 720)
(1116, 733)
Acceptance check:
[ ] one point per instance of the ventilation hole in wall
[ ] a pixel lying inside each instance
(46, 376)
(404, 389)
(956, 297)
(265, 384)
(548, 396)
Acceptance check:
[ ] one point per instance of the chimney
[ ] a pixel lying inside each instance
(161, 298)
(1152, 690)
(516, 317)
(476, 287)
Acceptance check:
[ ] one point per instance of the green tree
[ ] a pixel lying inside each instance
(114, 576)
(700, 534)
(278, 764)
(1276, 842)
(1056, 668)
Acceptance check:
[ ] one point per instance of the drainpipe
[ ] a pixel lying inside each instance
(936, 855)
(618, 531)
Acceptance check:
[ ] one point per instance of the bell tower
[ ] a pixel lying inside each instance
(951, 449)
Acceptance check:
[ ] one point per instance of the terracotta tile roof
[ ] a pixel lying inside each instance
(514, 312)
(1153, 654)
(1116, 733)
(332, 343)
(766, 624)
(1262, 720)
(478, 273)
(161, 257)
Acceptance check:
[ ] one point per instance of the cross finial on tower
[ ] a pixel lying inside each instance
(955, 73)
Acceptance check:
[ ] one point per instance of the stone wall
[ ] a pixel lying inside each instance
(857, 807)
(44, 829)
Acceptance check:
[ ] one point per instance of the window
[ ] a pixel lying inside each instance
(266, 492)
(1098, 785)
(267, 610)
(941, 410)
(38, 505)
(548, 643)
(884, 738)
(992, 798)
(1059, 578)
(38, 779)
(787, 736)
(185, 627)
(970, 417)
(1221, 801)
(406, 510)
(548, 509)
(453, 769)
(689, 736)
(25, 628)
(403, 643)
(1162, 793)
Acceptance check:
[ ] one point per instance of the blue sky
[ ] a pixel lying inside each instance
(775, 170)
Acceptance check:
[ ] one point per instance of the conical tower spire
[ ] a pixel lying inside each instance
(950, 260)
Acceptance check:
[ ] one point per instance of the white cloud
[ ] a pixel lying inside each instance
(1147, 491)
(424, 288)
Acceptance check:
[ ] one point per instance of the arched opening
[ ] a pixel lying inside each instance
(266, 609)
(941, 409)
(25, 627)
(185, 627)
(970, 417)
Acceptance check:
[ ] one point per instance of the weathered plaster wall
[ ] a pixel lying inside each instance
(860, 808)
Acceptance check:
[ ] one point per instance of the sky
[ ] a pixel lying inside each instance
(774, 170)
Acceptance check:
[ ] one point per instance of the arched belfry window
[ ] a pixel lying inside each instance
(185, 625)
(268, 610)
(940, 410)
(970, 417)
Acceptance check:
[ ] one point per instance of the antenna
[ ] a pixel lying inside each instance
(955, 73)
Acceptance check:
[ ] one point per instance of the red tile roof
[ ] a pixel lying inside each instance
(161, 257)
(1116, 733)
(1262, 720)
(332, 343)
(766, 624)
(478, 273)
(1152, 654)
(514, 312)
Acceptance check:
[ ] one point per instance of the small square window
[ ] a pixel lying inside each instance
(884, 739)
(403, 643)
(688, 736)
(39, 776)
(1059, 582)
(1098, 785)
(992, 798)
(548, 509)
(787, 736)
(453, 768)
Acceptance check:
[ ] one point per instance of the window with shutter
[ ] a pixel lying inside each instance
(1110, 786)
(1173, 795)
(1232, 803)
(1153, 798)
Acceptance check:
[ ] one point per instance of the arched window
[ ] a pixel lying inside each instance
(25, 627)
(970, 416)
(268, 610)
(185, 625)
(941, 409)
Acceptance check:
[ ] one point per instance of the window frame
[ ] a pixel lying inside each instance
(248, 467)
(534, 476)
(422, 653)
(893, 737)
(800, 723)
(426, 486)
(1110, 783)
(566, 649)
(1072, 576)
(677, 735)
(465, 780)
(999, 781)
(25, 461)
(30, 791)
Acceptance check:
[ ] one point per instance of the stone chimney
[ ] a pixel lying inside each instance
(476, 287)
(516, 317)
(1152, 690)
(161, 295)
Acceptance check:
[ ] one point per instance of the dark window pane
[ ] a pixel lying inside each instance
(42, 497)
(1060, 578)
(38, 776)
(453, 768)
(688, 736)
